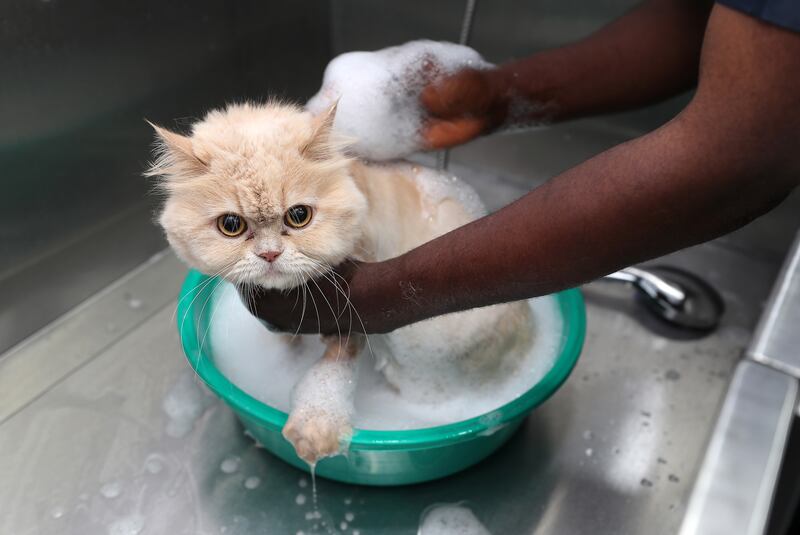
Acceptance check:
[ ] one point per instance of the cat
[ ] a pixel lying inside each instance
(267, 195)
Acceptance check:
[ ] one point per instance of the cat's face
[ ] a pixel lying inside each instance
(259, 194)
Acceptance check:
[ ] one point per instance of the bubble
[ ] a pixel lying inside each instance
(111, 490)
(129, 525)
(378, 93)
(252, 482)
(230, 465)
(451, 519)
(300, 499)
(154, 464)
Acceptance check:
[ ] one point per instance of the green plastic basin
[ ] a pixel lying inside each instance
(381, 457)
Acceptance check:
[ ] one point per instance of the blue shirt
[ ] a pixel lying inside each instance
(784, 13)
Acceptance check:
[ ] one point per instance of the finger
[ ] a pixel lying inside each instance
(440, 134)
(464, 92)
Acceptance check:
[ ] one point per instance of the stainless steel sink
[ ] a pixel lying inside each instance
(637, 441)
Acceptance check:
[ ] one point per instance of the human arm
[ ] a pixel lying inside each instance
(647, 55)
(727, 158)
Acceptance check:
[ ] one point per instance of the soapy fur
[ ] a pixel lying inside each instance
(257, 161)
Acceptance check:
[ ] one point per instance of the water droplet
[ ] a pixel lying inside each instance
(230, 465)
(673, 478)
(587, 435)
(154, 464)
(300, 499)
(57, 512)
(348, 500)
(349, 516)
(303, 483)
(130, 525)
(672, 375)
(111, 490)
(134, 303)
(589, 452)
(252, 482)
(646, 482)
(343, 526)
(662, 460)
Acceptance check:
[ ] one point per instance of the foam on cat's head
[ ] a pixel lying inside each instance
(257, 161)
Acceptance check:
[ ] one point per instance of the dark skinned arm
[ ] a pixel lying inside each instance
(647, 55)
(727, 158)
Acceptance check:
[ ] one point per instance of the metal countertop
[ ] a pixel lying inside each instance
(84, 446)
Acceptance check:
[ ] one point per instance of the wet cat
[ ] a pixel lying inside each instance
(266, 195)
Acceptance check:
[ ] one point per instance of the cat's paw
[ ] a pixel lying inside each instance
(317, 435)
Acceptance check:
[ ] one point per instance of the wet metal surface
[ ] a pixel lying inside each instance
(616, 450)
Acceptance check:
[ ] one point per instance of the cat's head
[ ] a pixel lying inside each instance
(259, 194)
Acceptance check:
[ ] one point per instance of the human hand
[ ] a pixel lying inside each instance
(464, 106)
(350, 298)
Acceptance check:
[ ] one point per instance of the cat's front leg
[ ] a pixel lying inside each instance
(322, 402)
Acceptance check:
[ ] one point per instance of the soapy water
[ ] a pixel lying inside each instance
(450, 519)
(185, 402)
(378, 93)
(263, 365)
(268, 368)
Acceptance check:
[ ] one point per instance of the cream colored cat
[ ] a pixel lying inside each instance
(265, 195)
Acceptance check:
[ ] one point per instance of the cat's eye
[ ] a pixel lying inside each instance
(231, 225)
(298, 216)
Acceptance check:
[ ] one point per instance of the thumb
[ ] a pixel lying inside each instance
(440, 134)
(465, 93)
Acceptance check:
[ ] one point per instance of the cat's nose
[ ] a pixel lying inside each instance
(270, 256)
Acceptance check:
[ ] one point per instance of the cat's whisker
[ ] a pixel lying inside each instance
(198, 288)
(198, 292)
(300, 286)
(328, 269)
(335, 318)
(202, 309)
(351, 307)
(355, 311)
(211, 319)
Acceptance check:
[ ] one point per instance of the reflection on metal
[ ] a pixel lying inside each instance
(675, 295)
(737, 481)
(777, 339)
(443, 157)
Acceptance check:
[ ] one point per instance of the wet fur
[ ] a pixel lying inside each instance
(257, 161)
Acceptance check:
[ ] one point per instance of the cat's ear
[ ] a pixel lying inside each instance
(180, 149)
(321, 144)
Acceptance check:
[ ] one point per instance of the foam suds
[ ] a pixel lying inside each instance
(437, 371)
(252, 482)
(450, 519)
(111, 489)
(129, 525)
(185, 402)
(379, 91)
(230, 465)
(263, 365)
